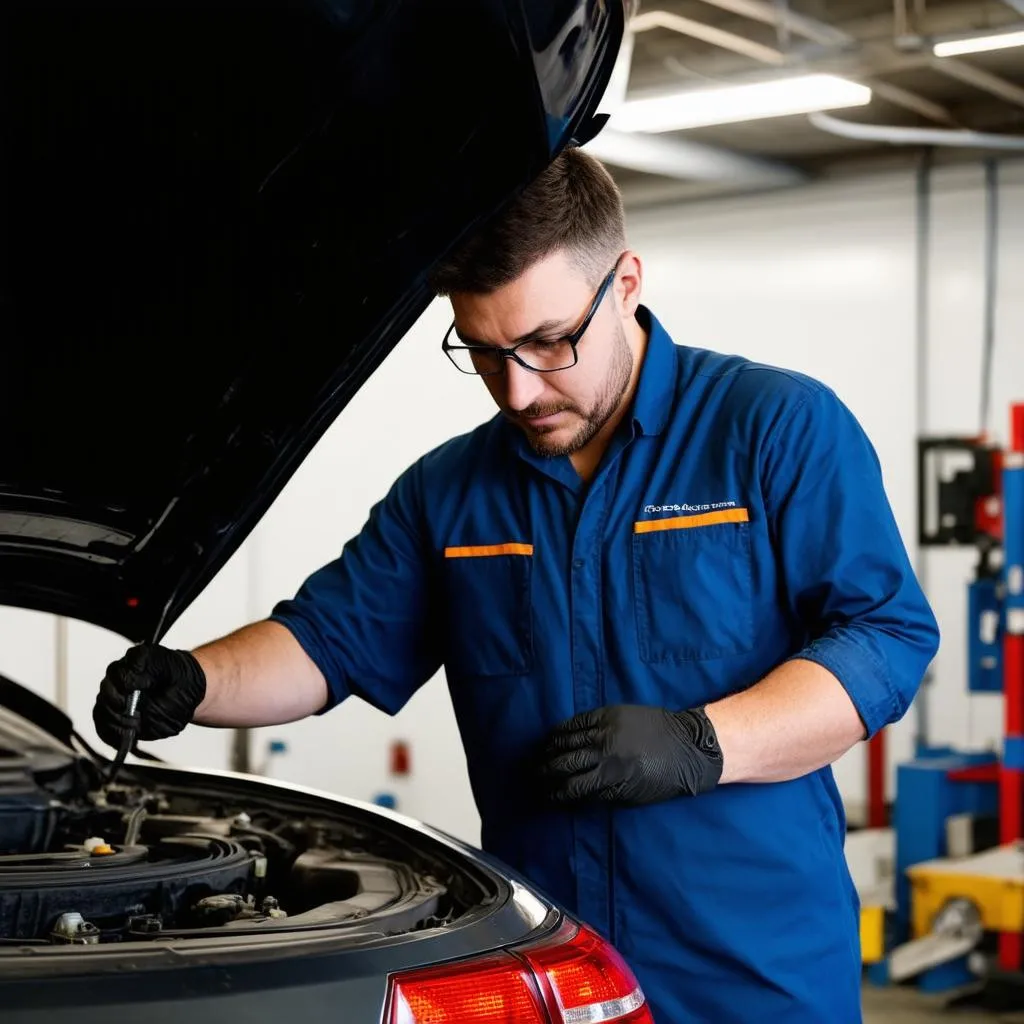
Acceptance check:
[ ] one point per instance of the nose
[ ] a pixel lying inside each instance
(522, 388)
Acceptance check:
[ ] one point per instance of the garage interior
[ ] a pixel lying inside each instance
(876, 243)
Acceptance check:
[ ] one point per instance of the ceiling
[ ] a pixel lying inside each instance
(883, 44)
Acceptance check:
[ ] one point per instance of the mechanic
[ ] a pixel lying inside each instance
(667, 591)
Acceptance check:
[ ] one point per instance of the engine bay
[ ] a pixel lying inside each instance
(83, 863)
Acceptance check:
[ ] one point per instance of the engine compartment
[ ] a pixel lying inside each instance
(82, 863)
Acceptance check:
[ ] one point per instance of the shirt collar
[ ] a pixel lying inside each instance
(656, 388)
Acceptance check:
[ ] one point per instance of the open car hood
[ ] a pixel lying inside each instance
(217, 219)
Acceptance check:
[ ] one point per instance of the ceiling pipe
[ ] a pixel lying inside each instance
(688, 161)
(922, 360)
(899, 136)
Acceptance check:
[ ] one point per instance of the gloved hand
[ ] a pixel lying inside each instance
(172, 684)
(631, 754)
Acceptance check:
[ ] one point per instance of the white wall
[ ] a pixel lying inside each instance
(820, 279)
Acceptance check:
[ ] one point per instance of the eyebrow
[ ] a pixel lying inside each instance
(547, 327)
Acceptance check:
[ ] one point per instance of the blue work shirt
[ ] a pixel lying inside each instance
(737, 520)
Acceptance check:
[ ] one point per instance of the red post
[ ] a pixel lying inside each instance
(877, 817)
(1011, 779)
(1011, 789)
(1011, 793)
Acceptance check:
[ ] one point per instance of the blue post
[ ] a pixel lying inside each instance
(984, 636)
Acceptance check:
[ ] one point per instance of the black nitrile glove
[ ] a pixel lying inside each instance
(631, 754)
(172, 684)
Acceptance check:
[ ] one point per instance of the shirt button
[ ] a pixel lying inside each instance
(578, 563)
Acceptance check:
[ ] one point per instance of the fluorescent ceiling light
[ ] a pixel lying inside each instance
(693, 108)
(978, 44)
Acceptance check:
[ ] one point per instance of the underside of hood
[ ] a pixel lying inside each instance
(216, 221)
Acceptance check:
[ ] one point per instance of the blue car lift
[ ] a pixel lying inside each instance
(981, 890)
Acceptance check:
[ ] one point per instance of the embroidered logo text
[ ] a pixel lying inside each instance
(687, 507)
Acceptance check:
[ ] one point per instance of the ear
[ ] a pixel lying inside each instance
(628, 283)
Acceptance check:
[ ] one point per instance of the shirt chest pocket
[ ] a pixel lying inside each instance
(693, 585)
(489, 619)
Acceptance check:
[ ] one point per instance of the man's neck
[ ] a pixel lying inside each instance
(587, 460)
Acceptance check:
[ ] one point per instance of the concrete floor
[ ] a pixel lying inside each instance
(905, 1005)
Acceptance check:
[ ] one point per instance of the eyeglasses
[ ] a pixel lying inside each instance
(538, 356)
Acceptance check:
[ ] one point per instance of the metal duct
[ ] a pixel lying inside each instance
(898, 136)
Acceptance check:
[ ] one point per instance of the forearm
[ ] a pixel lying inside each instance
(258, 675)
(796, 720)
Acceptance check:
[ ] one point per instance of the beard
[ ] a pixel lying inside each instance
(601, 411)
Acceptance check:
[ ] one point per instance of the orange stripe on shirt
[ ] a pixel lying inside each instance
(487, 550)
(725, 515)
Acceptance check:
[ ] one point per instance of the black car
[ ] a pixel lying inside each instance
(217, 220)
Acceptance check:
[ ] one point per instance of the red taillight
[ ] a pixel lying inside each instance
(572, 977)
(589, 981)
(492, 991)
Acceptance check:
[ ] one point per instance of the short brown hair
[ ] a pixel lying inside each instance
(573, 204)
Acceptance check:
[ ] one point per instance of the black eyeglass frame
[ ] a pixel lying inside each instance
(510, 352)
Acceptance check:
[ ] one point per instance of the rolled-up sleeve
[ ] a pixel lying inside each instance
(845, 568)
(364, 618)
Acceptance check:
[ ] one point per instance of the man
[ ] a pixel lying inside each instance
(668, 592)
